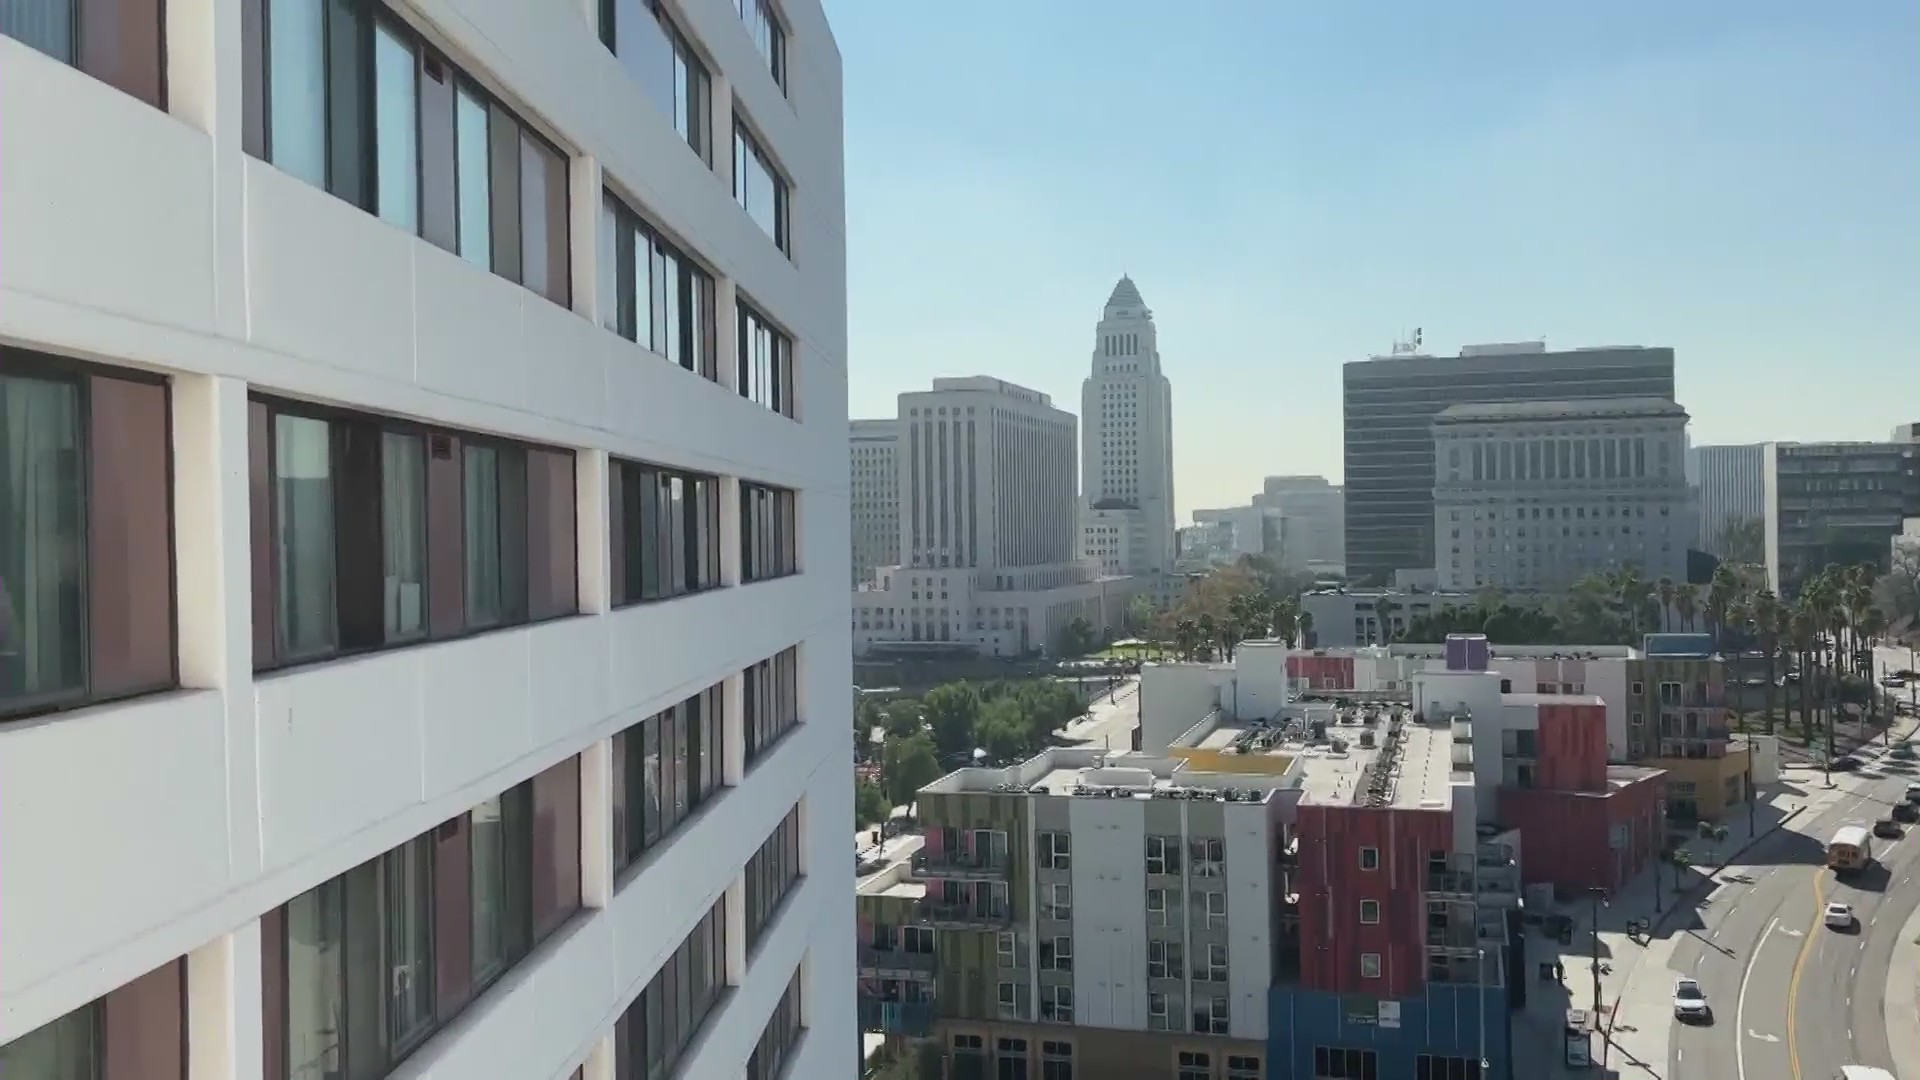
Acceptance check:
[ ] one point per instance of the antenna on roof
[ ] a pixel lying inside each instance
(1408, 345)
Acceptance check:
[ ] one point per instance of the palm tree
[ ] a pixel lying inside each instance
(1873, 623)
(1186, 635)
(1208, 633)
(1383, 610)
(1800, 638)
(1666, 603)
(1286, 620)
(1722, 594)
(1304, 623)
(1686, 604)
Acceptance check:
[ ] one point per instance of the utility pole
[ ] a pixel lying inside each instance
(1595, 893)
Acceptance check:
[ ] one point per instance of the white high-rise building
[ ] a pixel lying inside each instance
(873, 454)
(1731, 488)
(423, 650)
(986, 528)
(1126, 446)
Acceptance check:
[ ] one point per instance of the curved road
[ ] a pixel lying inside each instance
(1792, 999)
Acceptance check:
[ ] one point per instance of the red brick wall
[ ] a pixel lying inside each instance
(1572, 747)
(1564, 835)
(1322, 672)
(1332, 936)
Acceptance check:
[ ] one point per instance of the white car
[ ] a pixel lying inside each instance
(1688, 1002)
(1839, 916)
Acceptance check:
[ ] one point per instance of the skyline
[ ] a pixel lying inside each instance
(1733, 185)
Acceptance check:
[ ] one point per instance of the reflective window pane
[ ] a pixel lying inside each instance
(297, 88)
(403, 514)
(42, 542)
(470, 123)
(303, 504)
(396, 129)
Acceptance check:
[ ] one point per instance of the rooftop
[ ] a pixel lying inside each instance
(1125, 294)
(1549, 410)
(1409, 767)
(1088, 773)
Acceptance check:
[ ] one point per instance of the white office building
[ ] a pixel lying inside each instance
(1535, 495)
(1313, 522)
(1730, 489)
(423, 650)
(1126, 447)
(874, 461)
(987, 528)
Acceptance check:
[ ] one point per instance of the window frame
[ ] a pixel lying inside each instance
(749, 145)
(79, 374)
(781, 377)
(680, 49)
(1375, 965)
(121, 76)
(1369, 859)
(698, 287)
(1367, 906)
(629, 584)
(778, 508)
(640, 827)
(384, 424)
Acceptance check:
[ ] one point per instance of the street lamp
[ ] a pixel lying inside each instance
(1597, 894)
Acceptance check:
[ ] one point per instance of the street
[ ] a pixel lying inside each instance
(1108, 723)
(1792, 998)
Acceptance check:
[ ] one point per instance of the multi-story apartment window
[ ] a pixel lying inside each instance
(1193, 1065)
(1156, 907)
(1056, 851)
(653, 294)
(779, 1037)
(1056, 1004)
(1209, 1015)
(760, 189)
(121, 44)
(769, 540)
(1216, 910)
(1369, 965)
(1056, 954)
(1244, 1067)
(362, 969)
(664, 768)
(1166, 960)
(86, 535)
(1059, 902)
(1163, 855)
(1157, 1016)
(1369, 911)
(140, 1027)
(1345, 1063)
(665, 527)
(771, 874)
(769, 36)
(653, 1034)
(1209, 856)
(1216, 970)
(771, 700)
(661, 59)
(1439, 1067)
(349, 98)
(370, 532)
(766, 362)
(1056, 1060)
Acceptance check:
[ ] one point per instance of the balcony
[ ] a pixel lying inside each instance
(980, 915)
(896, 1017)
(893, 963)
(1451, 936)
(960, 865)
(1450, 884)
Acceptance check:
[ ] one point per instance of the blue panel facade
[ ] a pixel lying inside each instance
(1452, 1021)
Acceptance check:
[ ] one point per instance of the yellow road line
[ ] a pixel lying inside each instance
(1800, 962)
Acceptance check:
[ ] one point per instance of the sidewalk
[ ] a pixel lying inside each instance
(1902, 1001)
(1636, 1005)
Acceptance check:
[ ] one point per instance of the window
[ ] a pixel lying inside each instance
(664, 768)
(769, 546)
(759, 188)
(766, 362)
(362, 969)
(772, 873)
(1156, 907)
(777, 1039)
(1165, 960)
(1056, 1060)
(917, 940)
(1056, 954)
(86, 537)
(1059, 902)
(1157, 1017)
(1369, 858)
(1216, 910)
(771, 700)
(654, 295)
(1216, 964)
(121, 44)
(140, 1027)
(770, 40)
(665, 527)
(655, 1031)
(1163, 855)
(1435, 1067)
(1208, 855)
(1010, 1059)
(1004, 946)
(1193, 1065)
(348, 98)
(659, 58)
(1244, 1067)
(1009, 997)
(1056, 1003)
(1369, 965)
(1341, 1063)
(466, 533)
(1209, 1015)
(1056, 851)
(1369, 911)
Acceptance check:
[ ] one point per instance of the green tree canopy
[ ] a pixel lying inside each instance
(952, 711)
(908, 765)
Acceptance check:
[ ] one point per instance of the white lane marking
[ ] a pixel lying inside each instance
(1740, 1004)
(1752, 1034)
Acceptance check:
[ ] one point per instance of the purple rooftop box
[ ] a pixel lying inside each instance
(1466, 652)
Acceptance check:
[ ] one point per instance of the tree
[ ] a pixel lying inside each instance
(1004, 730)
(952, 711)
(1897, 592)
(1140, 613)
(1383, 610)
(867, 715)
(1767, 615)
(908, 765)
(903, 719)
(1686, 604)
(1304, 624)
(1186, 638)
(869, 804)
(1666, 603)
(1078, 638)
(1742, 540)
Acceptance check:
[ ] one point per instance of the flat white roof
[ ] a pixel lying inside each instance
(1414, 772)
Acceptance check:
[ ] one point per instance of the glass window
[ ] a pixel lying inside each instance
(766, 363)
(475, 197)
(403, 511)
(767, 542)
(396, 154)
(42, 634)
(769, 36)
(296, 61)
(666, 533)
(500, 843)
(496, 524)
(304, 539)
(68, 1048)
(759, 188)
(407, 877)
(659, 58)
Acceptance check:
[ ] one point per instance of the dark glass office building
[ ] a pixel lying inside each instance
(1389, 404)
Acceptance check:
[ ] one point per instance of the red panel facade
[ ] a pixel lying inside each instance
(1322, 672)
(1566, 838)
(1333, 884)
(1572, 747)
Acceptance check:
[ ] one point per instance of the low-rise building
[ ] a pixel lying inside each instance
(1678, 721)
(1348, 617)
(1012, 611)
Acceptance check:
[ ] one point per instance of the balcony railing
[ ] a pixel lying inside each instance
(896, 1017)
(1452, 937)
(960, 864)
(965, 916)
(893, 961)
(1450, 883)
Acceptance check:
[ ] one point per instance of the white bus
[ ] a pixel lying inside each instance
(1863, 1072)
(1850, 849)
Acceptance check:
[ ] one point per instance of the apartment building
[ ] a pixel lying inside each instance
(874, 463)
(1677, 700)
(419, 541)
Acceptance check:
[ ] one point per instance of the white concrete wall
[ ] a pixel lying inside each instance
(1249, 851)
(1260, 670)
(139, 832)
(1109, 912)
(1173, 698)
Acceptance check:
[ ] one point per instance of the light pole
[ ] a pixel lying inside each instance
(1596, 892)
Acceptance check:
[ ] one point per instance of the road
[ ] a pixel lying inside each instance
(1109, 723)
(1792, 999)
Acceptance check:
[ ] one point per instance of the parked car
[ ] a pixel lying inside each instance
(1689, 1003)
(1902, 751)
(1887, 829)
(1843, 763)
(1838, 916)
(1892, 682)
(1906, 812)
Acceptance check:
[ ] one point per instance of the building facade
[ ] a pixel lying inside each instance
(1731, 490)
(1313, 522)
(874, 461)
(418, 619)
(1343, 618)
(1126, 436)
(1835, 504)
(1535, 495)
(1389, 404)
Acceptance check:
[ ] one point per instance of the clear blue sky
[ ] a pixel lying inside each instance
(1293, 184)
